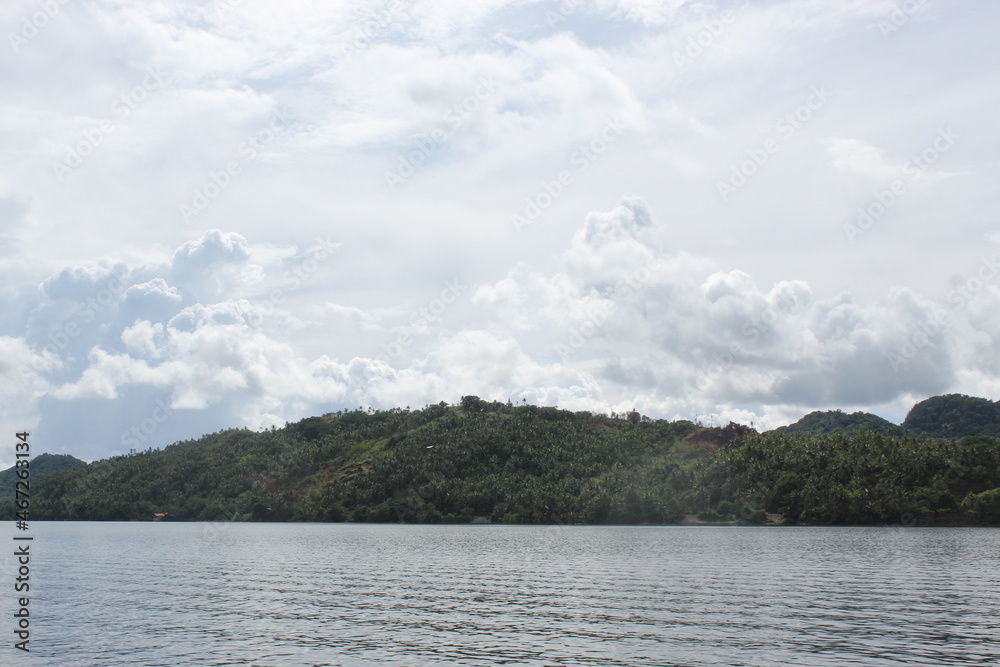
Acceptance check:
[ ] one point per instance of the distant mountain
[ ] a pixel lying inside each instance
(954, 416)
(40, 465)
(835, 421)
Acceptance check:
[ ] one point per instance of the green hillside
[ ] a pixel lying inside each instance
(529, 464)
(523, 464)
(835, 421)
(41, 465)
(953, 416)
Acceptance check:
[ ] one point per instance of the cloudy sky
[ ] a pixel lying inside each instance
(218, 214)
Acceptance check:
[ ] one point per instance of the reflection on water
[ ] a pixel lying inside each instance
(352, 594)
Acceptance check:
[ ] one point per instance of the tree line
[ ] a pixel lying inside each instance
(531, 464)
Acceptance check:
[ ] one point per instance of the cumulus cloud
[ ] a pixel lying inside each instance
(683, 328)
(215, 265)
(128, 336)
(304, 283)
(621, 321)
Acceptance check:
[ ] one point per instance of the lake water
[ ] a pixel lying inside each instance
(352, 594)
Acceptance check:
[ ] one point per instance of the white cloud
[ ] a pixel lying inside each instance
(618, 324)
(303, 283)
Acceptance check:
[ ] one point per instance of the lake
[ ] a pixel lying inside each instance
(360, 594)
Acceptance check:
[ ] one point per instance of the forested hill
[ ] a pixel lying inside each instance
(523, 464)
(835, 421)
(41, 465)
(954, 415)
(529, 464)
(947, 416)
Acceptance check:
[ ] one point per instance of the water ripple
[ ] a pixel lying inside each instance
(347, 595)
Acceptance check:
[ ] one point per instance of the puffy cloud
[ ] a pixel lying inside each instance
(102, 378)
(612, 245)
(149, 300)
(213, 266)
(23, 373)
(213, 249)
(618, 323)
(707, 337)
(676, 303)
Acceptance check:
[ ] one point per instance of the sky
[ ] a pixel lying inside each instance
(243, 213)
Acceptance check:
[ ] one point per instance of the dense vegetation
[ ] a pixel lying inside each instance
(864, 478)
(519, 464)
(835, 421)
(41, 466)
(529, 464)
(954, 415)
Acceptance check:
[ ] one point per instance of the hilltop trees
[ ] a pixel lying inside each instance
(532, 464)
(954, 415)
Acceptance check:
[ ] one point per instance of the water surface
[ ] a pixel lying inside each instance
(354, 594)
